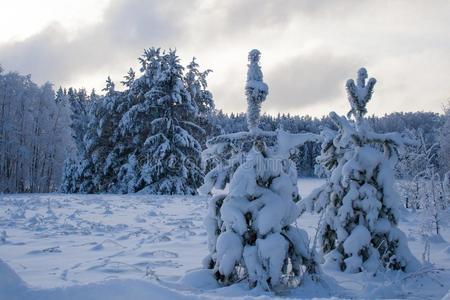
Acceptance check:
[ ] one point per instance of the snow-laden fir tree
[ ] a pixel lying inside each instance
(155, 142)
(69, 181)
(360, 206)
(78, 169)
(98, 140)
(250, 229)
(197, 87)
(172, 155)
(143, 138)
(79, 107)
(128, 136)
(87, 176)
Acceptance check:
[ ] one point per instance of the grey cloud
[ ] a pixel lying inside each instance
(257, 14)
(307, 80)
(128, 27)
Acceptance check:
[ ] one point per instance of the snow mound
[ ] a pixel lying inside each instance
(446, 250)
(191, 286)
(13, 288)
(200, 279)
(446, 297)
(10, 282)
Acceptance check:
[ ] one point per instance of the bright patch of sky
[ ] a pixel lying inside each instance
(23, 18)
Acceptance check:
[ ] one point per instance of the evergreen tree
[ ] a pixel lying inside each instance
(134, 122)
(78, 102)
(70, 178)
(197, 85)
(79, 168)
(250, 231)
(171, 153)
(359, 229)
(143, 138)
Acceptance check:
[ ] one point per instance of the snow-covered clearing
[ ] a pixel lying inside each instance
(141, 246)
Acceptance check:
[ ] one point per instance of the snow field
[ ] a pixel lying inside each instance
(117, 247)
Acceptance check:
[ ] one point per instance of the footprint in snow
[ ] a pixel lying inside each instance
(101, 246)
(159, 254)
(447, 250)
(140, 219)
(152, 214)
(46, 250)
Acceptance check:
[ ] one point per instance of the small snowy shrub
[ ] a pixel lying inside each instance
(359, 229)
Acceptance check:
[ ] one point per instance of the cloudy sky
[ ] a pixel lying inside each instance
(309, 48)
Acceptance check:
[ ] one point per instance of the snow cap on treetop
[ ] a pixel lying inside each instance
(254, 55)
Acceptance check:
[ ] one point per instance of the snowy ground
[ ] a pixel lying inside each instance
(117, 247)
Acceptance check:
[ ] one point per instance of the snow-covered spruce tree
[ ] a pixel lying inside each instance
(196, 85)
(250, 231)
(142, 137)
(172, 155)
(117, 104)
(98, 140)
(79, 105)
(129, 135)
(138, 111)
(69, 182)
(359, 229)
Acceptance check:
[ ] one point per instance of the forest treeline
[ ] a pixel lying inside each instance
(153, 129)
